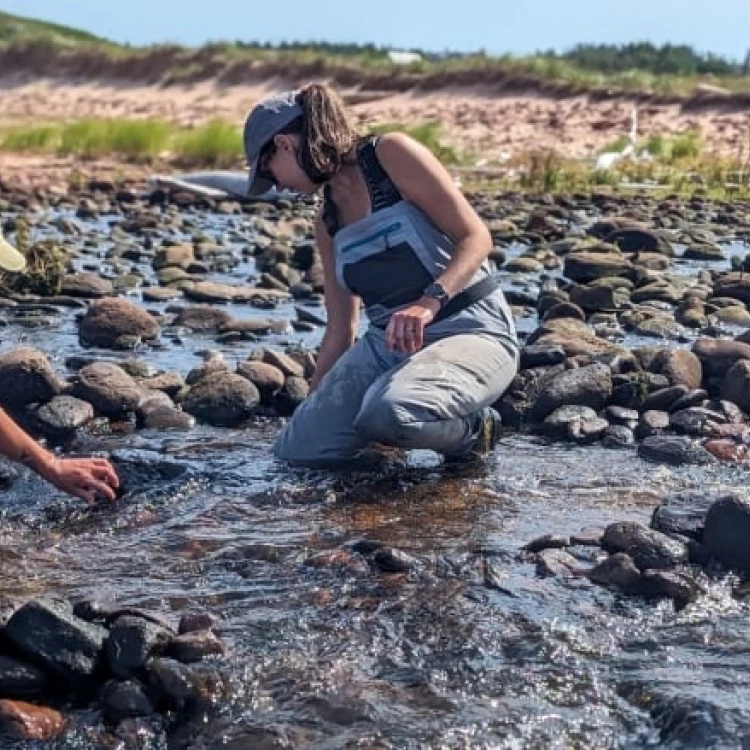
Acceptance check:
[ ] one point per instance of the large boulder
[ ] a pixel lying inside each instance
(26, 377)
(116, 323)
(108, 388)
(225, 402)
(726, 533)
(586, 386)
(49, 634)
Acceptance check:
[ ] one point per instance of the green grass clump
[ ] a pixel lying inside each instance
(38, 138)
(215, 144)
(686, 146)
(132, 139)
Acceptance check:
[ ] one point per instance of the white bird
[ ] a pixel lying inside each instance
(608, 159)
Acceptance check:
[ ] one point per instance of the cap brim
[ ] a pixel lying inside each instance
(257, 184)
(10, 258)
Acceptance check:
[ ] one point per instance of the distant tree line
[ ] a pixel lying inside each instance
(667, 59)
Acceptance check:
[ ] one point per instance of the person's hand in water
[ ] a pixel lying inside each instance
(87, 478)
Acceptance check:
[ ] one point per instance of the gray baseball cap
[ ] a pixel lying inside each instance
(266, 119)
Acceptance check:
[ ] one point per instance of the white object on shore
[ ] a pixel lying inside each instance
(608, 159)
(403, 58)
(215, 184)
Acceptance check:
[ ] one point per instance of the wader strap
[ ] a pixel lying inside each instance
(468, 297)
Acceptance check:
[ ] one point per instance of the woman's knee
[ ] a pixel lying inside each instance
(383, 421)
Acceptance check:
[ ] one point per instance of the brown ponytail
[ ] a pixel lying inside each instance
(326, 133)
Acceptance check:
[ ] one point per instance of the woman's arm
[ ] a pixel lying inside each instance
(84, 477)
(342, 309)
(424, 181)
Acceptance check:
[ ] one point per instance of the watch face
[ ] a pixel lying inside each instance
(438, 292)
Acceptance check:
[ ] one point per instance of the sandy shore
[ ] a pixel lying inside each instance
(489, 128)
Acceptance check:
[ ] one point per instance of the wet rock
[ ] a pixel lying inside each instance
(663, 584)
(646, 547)
(108, 611)
(548, 541)
(251, 328)
(735, 285)
(663, 398)
(652, 423)
(111, 321)
(618, 436)
(717, 356)
(202, 319)
(560, 424)
(223, 402)
(539, 355)
(29, 722)
(726, 532)
(681, 366)
(587, 386)
(696, 397)
(122, 700)
(183, 682)
(291, 395)
(683, 513)
(588, 537)
(131, 642)
(620, 415)
(282, 361)
(693, 421)
(180, 256)
(163, 417)
(20, 680)
(192, 647)
(168, 382)
(161, 294)
(86, 285)
(587, 266)
(190, 622)
(211, 291)
(728, 451)
(337, 559)
(60, 418)
(565, 309)
(390, 560)
(557, 563)
(676, 451)
(596, 298)
(141, 468)
(736, 384)
(268, 379)
(587, 430)
(639, 240)
(26, 377)
(108, 388)
(50, 635)
(617, 571)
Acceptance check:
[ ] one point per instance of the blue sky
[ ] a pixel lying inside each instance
(497, 26)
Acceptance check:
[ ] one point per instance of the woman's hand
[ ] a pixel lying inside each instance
(405, 331)
(87, 478)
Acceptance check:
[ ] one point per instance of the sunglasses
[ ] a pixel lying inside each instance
(264, 160)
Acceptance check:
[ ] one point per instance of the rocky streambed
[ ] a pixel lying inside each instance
(540, 601)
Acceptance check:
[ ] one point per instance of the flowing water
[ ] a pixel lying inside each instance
(339, 656)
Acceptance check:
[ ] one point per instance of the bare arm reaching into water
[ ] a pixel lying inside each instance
(342, 309)
(87, 478)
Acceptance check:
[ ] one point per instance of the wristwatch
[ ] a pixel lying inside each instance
(437, 291)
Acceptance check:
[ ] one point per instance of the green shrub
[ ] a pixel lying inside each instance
(39, 138)
(217, 144)
(686, 146)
